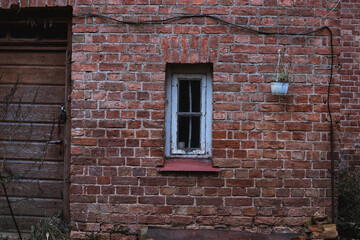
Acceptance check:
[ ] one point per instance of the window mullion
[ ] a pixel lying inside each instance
(190, 118)
(174, 122)
(203, 113)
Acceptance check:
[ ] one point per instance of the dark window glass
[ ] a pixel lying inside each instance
(184, 101)
(189, 114)
(196, 96)
(183, 132)
(195, 134)
(189, 132)
(189, 96)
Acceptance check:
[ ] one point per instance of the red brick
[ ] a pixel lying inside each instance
(179, 220)
(271, 108)
(267, 220)
(124, 180)
(238, 201)
(240, 182)
(84, 141)
(271, 144)
(204, 46)
(297, 202)
(298, 126)
(269, 183)
(211, 182)
(226, 144)
(238, 221)
(152, 219)
(179, 201)
(182, 182)
(236, 191)
(269, 164)
(298, 164)
(122, 199)
(267, 202)
(213, 220)
(269, 126)
(152, 200)
(153, 181)
(214, 201)
(301, 183)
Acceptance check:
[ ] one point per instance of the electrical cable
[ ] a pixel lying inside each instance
(332, 171)
(171, 19)
(302, 33)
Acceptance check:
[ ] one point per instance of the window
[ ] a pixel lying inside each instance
(188, 112)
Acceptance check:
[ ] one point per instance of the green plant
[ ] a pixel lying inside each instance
(349, 204)
(51, 228)
(284, 77)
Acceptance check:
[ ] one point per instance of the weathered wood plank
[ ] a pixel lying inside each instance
(32, 94)
(32, 75)
(49, 58)
(24, 222)
(33, 189)
(30, 113)
(31, 132)
(31, 151)
(33, 170)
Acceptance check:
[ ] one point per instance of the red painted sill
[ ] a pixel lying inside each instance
(187, 165)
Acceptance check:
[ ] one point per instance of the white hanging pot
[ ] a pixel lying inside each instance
(279, 88)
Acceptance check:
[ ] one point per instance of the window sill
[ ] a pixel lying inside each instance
(187, 165)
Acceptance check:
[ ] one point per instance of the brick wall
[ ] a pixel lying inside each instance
(273, 152)
(350, 105)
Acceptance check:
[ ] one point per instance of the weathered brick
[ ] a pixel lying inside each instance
(264, 202)
(296, 202)
(179, 200)
(152, 200)
(272, 151)
(238, 201)
(211, 182)
(240, 182)
(238, 221)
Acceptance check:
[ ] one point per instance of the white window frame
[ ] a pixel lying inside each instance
(171, 117)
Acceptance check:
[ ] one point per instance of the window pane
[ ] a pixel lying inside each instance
(188, 132)
(196, 96)
(195, 133)
(189, 96)
(184, 100)
(183, 132)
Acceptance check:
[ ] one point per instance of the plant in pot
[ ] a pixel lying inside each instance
(280, 84)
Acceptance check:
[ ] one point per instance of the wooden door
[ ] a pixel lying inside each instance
(33, 90)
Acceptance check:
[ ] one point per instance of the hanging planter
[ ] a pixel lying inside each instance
(280, 84)
(279, 88)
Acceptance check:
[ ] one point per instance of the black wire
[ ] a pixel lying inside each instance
(161, 21)
(331, 128)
